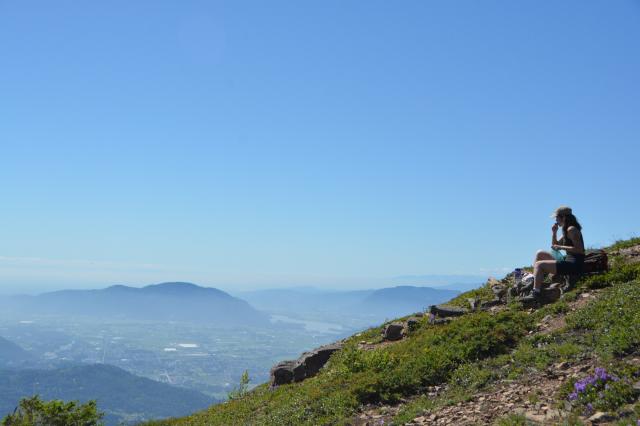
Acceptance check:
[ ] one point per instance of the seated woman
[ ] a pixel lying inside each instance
(571, 241)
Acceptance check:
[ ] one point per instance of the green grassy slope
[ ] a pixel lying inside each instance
(467, 354)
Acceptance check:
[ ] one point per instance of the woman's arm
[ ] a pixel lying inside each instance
(574, 235)
(554, 235)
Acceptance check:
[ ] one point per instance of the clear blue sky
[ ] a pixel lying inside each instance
(244, 144)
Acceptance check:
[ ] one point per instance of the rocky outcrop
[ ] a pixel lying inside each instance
(304, 367)
(393, 331)
(447, 311)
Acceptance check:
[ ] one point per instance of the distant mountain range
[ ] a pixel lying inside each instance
(124, 397)
(175, 301)
(392, 301)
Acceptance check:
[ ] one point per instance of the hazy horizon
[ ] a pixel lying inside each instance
(435, 281)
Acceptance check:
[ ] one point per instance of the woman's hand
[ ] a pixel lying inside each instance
(556, 247)
(555, 227)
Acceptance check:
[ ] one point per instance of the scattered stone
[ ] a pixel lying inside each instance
(499, 290)
(601, 417)
(437, 321)
(535, 417)
(413, 323)
(490, 304)
(393, 331)
(447, 311)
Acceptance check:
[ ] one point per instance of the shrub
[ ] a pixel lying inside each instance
(620, 273)
(613, 320)
(242, 388)
(36, 412)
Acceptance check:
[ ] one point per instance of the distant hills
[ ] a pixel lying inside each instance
(392, 301)
(174, 301)
(11, 354)
(405, 299)
(121, 395)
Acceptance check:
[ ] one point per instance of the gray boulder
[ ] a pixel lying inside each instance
(393, 331)
(447, 311)
(282, 373)
(304, 367)
(313, 361)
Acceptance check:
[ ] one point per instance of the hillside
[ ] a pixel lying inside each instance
(167, 301)
(573, 361)
(121, 395)
(11, 354)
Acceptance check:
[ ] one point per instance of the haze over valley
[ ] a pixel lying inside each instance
(185, 337)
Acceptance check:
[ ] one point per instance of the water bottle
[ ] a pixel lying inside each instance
(517, 275)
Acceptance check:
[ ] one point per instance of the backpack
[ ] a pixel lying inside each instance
(595, 261)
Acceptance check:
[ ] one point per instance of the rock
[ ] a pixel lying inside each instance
(316, 359)
(490, 304)
(306, 366)
(473, 303)
(499, 290)
(282, 373)
(601, 417)
(534, 417)
(551, 294)
(447, 311)
(636, 386)
(562, 366)
(393, 331)
(437, 321)
(413, 323)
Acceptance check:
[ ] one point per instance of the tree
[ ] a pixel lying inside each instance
(36, 412)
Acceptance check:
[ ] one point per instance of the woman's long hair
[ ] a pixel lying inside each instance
(570, 220)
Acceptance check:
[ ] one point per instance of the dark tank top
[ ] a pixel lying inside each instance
(573, 257)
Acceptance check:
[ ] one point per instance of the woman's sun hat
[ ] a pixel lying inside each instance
(562, 211)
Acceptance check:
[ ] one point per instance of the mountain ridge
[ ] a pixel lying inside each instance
(178, 301)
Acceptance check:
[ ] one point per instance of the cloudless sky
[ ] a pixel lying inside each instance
(248, 144)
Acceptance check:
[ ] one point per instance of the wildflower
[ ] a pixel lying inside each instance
(589, 408)
(573, 396)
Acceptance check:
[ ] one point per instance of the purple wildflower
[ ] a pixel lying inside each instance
(573, 396)
(589, 408)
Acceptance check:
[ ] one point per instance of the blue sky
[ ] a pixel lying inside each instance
(344, 144)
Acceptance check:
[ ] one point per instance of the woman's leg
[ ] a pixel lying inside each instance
(540, 268)
(543, 255)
